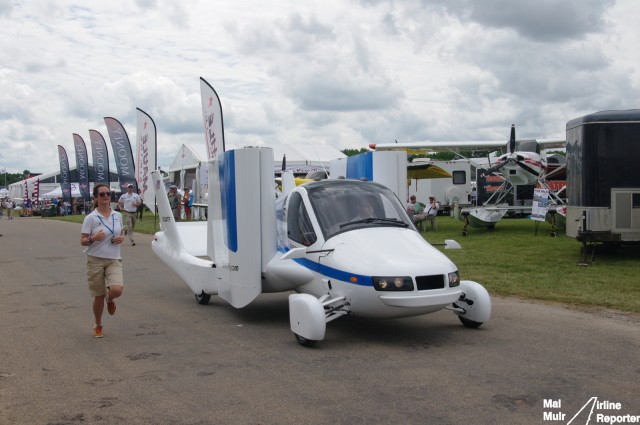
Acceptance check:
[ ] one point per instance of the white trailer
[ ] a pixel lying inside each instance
(450, 192)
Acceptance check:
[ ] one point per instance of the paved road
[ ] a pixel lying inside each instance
(167, 360)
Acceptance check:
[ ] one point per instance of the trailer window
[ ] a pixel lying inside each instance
(459, 177)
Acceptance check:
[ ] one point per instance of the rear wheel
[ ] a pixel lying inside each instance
(202, 298)
(304, 341)
(469, 323)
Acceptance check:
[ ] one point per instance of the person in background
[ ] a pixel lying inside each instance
(174, 201)
(102, 234)
(130, 202)
(432, 212)
(140, 207)
(187, 201)
(28, 212)
(419, 216)
(9, 206)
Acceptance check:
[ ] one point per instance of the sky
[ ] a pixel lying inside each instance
(342, 73)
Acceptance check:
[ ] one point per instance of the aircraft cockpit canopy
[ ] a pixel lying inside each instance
(346, 205)
(527, 146)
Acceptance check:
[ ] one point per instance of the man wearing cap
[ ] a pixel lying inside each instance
(174, 201)
(130, 202)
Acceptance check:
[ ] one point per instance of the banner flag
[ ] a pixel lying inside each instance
(122, 154)
(26, 192)
(100, 155)
(212, 116)
(36, 193)
(82, 166)
(65, 175)
(146, 156)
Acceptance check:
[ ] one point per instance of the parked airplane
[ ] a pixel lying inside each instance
(524, 163)
(345, 247)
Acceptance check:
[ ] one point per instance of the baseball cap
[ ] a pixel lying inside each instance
(128, 186)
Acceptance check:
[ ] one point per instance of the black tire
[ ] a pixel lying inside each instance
(304, 341)
(469, 323)
(202, 298)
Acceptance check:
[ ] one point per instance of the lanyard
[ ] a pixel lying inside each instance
(113, 223)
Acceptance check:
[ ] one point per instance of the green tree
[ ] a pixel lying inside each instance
(351, 152)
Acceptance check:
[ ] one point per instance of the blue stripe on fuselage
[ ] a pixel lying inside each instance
(331, 272)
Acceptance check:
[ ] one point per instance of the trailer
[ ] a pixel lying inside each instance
(603, 178)
(450, 192)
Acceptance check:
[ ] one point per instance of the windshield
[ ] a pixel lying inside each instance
(527, 146)
(346, 205)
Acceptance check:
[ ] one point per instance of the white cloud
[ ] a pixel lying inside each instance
(341, 73)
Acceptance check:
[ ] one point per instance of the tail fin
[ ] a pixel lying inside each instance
(167, 222)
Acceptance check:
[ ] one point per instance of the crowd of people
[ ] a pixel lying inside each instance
(179, 202)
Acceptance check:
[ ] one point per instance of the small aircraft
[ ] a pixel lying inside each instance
(524, 163)
(345, 247)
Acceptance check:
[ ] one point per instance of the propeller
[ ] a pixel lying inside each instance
(518, 159)
(496, 167)
(527, 168)
(512, 139)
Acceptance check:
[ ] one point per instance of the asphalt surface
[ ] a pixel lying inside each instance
(167, 360)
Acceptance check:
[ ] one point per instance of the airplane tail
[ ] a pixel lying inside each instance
(167, 222)
(198, 273)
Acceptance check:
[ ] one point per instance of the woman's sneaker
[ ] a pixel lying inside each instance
(111, 307)
(97, 331)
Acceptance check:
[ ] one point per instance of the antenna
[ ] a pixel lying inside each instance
(320, 161)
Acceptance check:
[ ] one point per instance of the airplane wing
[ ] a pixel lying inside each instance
(551, 143)
(421, 147)
(490, 145)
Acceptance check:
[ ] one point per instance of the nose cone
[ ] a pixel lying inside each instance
(386, 251)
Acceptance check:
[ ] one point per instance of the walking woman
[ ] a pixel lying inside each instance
(102, 235)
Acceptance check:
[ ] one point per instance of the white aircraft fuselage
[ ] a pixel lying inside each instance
(346, 247)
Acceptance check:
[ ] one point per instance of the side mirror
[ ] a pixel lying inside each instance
(448, 244)
(451, 244)
(295, 253)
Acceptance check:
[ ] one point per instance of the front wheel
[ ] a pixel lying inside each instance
(470, 323)
(202, 298)
(304, 341)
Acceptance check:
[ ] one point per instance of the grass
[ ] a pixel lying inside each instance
(511, 260)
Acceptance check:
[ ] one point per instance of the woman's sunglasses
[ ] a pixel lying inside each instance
(104, 194)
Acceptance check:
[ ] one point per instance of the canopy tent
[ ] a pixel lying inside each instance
(189, 167)
(426, 171)
(57, 192)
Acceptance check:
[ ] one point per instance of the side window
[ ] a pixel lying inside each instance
(299, 228)
(459, 177)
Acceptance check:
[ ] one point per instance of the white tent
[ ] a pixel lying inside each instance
(57, 192)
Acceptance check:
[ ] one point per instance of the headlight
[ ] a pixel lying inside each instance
(392, 283)
(454, 279)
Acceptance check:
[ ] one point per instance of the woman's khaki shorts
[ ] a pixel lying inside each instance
(102, 273)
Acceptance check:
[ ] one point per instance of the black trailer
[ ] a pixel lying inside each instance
(603, 177)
